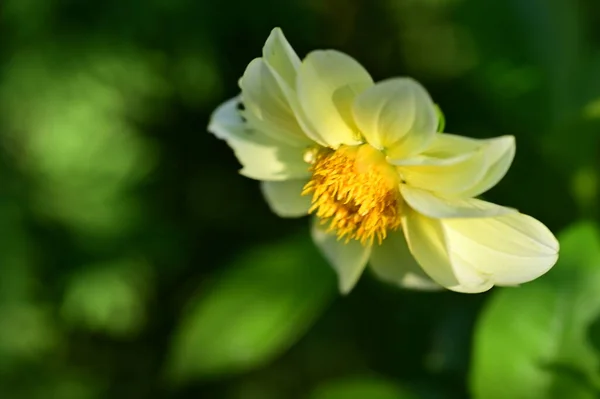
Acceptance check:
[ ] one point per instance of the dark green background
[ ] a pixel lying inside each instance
(135, 262)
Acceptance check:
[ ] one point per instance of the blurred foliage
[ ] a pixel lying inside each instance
(136, 263)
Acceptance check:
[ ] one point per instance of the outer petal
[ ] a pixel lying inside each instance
(396, 115)
(348, 260)
(262, 157)
(392, 261)
(267, 108)
(459, 166)
(431, 205)
(281, 57)
(428, 243)
(471, 255)
(510, 249)
(327, 84)
(285, 199)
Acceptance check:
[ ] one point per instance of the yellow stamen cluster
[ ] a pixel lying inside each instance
(356, 191)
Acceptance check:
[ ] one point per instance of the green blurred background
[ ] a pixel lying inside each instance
(135, 262)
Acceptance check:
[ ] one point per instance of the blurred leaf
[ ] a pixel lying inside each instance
(256, 309)
(108, 297)
(361, 387)
(532, 342)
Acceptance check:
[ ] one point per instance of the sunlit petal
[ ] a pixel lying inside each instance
(281, 57)
(328, 82)
(396, 115)
(262, 157)
(434, 206)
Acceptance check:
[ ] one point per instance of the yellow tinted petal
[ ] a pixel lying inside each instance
(434, 206)
(327, 84)
(279, 54)
(509, 249)
(285, 199)
(396, 115)
(267, 108)
(347, 259)
(262, 157)
(428, 242)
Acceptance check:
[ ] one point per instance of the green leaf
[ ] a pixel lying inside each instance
(261, 305)
(361, 387)
(532, 342)
(441, 119)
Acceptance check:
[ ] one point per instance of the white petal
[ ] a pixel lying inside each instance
(285, 199)
(327, 84)
(266, 106)
(280, 56)
(348, 260)
(428, 243)
(396, 115)
(510, 249)
(431, 205)
(262, 157)
(392, 262)
(458, 166)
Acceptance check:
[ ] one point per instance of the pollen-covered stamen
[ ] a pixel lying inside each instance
(356, 191)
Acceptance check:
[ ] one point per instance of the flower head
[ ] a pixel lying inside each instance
(385, 188)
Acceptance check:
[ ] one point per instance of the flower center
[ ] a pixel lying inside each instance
(355, 191)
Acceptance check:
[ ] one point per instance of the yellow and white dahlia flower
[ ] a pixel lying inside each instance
(385, 188)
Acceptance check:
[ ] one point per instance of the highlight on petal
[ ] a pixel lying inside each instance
(285, 199)
(458, 166)
(281, 57)
(327, 84)
(266, 106)
(433, 206)
(510, 249)
(262, 157)
(397, 115)
(392, 262)
(427, 241)
(472, 255)
(347, 259)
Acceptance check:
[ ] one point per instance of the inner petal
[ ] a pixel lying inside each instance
(355, 191)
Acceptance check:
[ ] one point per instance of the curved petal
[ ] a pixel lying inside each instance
(471, 255)
(459, 166)
(348, 259)
(279, 55)
(267, 108)
(392, 262)
(428, 243)
(285, 199)
(397, 115)
(433, 206)
(509, 249)
(327, 84)
(262, 157)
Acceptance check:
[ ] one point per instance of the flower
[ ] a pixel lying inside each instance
(385, 188)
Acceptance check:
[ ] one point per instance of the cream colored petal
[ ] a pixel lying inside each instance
(266, 107)
(428, 243)
(434, 206)
(457, 166)
(280, 55)
(262, 157)
(498, 156)
(347, 259)
(327, 84)
(396, 115)
(392, 262)
(509, 249)
(285, 199)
